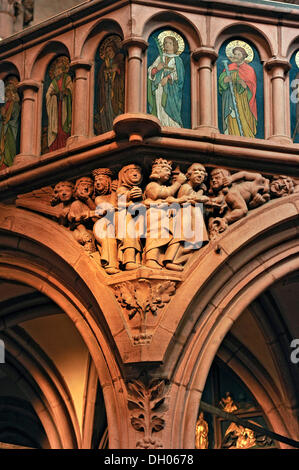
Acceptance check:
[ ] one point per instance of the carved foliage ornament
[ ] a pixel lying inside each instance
(142, 297)
(147, 405)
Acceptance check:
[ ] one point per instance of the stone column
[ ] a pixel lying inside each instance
(29, 124)
(278, 67)
(206, 56)
(80, 115)
(135, 47)
(7, 17)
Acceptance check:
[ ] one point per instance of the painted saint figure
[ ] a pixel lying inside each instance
(237, 87)
(59, 104)
(110, 84)
(9, 124)
(166, 79)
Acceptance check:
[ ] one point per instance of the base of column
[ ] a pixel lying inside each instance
(75, 139)
(280, 139)
(24, 159)
(207, 130)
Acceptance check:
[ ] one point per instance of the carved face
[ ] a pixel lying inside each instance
(134, 175)
(63, 192)
(196, 174)
(282, 186)
(161, 173)
(84, 188)
(102, 184)
(216, 179)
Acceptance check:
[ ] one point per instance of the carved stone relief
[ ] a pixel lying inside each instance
(140, 299)
(126, 223)
(147, 403)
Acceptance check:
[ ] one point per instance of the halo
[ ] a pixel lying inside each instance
(297, 59)
(64, 60)
(113, 40)
(180, 40)
(238, 43)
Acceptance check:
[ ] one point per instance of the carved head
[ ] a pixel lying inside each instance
(102, 181)
(63, 192)
(196, 174)
(161, 170)
(83, 188)
(216, 178)
(130, 175)
(281, 185)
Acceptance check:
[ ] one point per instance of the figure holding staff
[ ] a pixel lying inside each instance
(237, 87)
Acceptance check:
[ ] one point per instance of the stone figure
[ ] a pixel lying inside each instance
(130, 228)
(201, 433)
(161, 244)
(194, 192)
(104, 228)
(63, 195)
(80, 213)
(281, 185)
(110, 84)
(9, 124)
(59, 103)
(235, 195)
(166, 79)
(237, 87)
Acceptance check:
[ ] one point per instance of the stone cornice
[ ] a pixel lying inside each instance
(216, 149)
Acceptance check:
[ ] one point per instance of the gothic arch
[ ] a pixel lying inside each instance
(44, 378)
(250, 262)
(73, 285)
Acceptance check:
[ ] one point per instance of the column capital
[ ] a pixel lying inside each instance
(206, 52)
(135, 41)
(28, 85)
(80, 64)
(279, 62)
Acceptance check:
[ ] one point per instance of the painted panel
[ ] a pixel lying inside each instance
(10, 114)
(168, 78)
(294, 96)
(240, 90)
(109, 93)
(57, 105)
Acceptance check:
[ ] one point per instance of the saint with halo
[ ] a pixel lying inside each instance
(166, 77)
(237, 87)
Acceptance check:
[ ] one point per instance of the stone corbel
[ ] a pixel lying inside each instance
(279, 67)
(205, 57)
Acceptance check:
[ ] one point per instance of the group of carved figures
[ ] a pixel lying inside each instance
(127, 224)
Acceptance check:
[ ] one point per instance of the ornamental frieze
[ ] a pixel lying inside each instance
(126, 222)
